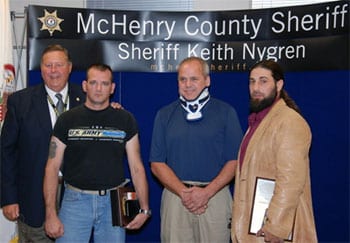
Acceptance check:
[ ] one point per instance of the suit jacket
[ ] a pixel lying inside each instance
(278, 150)
(25, 137)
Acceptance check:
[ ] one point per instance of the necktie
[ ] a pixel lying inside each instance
(59, 104)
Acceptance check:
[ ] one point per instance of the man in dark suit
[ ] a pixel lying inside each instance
(25, 138)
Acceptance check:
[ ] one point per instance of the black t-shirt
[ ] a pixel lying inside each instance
(95, 145)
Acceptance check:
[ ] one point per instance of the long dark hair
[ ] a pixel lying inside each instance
(277, 74)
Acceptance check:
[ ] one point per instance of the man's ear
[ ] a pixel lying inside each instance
(83, 85)
(113, 87)
(279, 85)
(208, 81)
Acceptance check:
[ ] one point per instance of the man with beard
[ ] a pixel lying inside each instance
(275, 149)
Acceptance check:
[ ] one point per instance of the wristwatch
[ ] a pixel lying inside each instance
(146, 211)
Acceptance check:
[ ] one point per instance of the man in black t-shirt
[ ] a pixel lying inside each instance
(91, 140)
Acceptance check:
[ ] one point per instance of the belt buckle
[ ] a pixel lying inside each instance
(102, 192)
(188, 185)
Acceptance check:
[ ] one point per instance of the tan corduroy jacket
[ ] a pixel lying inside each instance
(278, 150)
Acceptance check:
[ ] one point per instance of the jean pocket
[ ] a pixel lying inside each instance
(71, 195)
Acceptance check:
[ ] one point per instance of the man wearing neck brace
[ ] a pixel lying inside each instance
(194, 154)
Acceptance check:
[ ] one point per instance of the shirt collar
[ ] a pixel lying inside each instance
(51, 93)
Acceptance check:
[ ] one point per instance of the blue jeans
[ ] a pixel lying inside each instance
(81, 212)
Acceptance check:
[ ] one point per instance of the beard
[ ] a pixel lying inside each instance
(256, 105)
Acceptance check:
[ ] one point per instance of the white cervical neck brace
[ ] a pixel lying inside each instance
(194, 107)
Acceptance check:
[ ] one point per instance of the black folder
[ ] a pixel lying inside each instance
(125, 205)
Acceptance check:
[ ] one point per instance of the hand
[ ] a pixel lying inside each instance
(116, 105)
(201, 210)
(1, 115)
(268, 237)
(11, 212)
(3, 111)
(54, 227)
(138, 221)
(195, 199)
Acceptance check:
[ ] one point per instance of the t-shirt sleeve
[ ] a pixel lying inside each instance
(132, 127)
(233, 135)
(59, 130)
(158, 151)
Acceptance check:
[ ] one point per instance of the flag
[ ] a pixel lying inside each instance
(7, 69)
(7, 86)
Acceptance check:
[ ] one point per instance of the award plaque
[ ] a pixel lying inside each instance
(262, 196)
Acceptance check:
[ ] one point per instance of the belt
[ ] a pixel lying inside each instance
(93, 192)
(189, 185)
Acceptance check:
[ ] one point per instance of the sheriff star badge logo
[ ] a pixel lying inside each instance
(50, 22)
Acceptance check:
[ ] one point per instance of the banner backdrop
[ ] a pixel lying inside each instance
(228, 40)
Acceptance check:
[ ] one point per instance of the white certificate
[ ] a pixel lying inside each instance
(261, 200)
